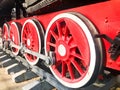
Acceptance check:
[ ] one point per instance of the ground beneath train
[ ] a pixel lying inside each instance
(6, 82)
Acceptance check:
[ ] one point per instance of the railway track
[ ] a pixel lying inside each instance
(21, 71)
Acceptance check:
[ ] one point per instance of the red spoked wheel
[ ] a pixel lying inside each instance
(32, 36)
(78, 52)
(5, 31)
(15, 29)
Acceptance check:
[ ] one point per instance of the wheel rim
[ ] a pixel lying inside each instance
(15, 36)
(74, 48)
(6, 31)
(67, 51)
(31, 39)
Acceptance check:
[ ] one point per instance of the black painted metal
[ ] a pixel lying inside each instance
(25, 76)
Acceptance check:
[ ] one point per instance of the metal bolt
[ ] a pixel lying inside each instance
(106, 20)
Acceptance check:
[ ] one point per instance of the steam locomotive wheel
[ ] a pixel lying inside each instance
(32, 38)
(15, 36)
(78, 53)
(5, 31)
(5, 35)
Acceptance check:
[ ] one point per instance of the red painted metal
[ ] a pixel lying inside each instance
(6, 31)
(106, 18)
(78, 60)
(30, 39)
(31, 34)
(71, 54)
(15, 35)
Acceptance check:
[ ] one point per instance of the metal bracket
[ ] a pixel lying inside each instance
(114, 49)
(105, 37)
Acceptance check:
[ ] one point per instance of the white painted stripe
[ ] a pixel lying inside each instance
(11, 66)
(5, 61)
(30, 85)
(1, 52)
(14, 75)
(3, 56)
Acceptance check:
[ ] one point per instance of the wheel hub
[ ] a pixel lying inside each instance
(5, 37)
(28, 42)
(13, 38)
(62, 50)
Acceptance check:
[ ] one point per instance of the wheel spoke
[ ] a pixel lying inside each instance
(77, 56)
(73, 46)
(30, 36)
(54, 35)
(70, 40)
(70, 69)
(79, 39)
(29, 28)
(25, 31)
(24, 38)
(64, 69)
(59, 28)
(66, 31)
(83, 61)
(77, 66)
(51, 44)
